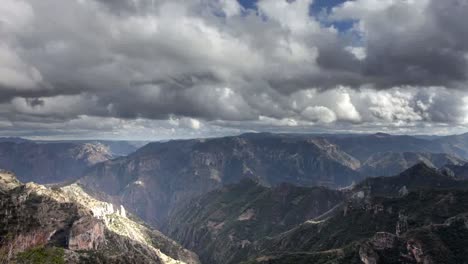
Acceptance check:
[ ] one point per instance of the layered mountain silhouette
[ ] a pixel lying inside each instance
(222, 224)
(418, 216)
(253, 198)
(58, 161)
(160, 175)
(50, 162)
(391, 163)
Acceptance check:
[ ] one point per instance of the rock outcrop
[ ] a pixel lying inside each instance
(59, 224)
(87, 233)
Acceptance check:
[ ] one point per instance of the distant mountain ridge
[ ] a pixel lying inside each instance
(154, 178)
(161, 174)
(50, 162)
(13, 139)
(362, 147)
(58, 161)
(391, 163)
(271, 198)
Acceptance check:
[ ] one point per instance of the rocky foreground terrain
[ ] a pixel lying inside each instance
(67, 225)
(419, 216)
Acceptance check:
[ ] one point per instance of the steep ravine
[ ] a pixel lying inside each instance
(418, 216)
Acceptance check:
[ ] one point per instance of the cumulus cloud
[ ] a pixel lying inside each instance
(419, 42)
(319, 113)
(208, 67)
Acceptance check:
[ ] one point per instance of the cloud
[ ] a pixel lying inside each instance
(410, 42)
(215, 66)
(231, 7)
(319, 113)
(15, 73)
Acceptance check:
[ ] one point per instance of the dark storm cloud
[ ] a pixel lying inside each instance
(422, 43)
(430, 55)
(216, 61)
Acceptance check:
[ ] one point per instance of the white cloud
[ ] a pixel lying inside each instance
(214, 66)
(358, 52)
(319, 113)
(231, 7)
(345, 109)
(293, 15)
(14, 15)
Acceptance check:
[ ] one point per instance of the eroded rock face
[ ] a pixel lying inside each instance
(380, 242)
(8, 181)
(61, 221)
(417, 252)
(86, 234)
(383, 240)
(32, 239)
(368, 255)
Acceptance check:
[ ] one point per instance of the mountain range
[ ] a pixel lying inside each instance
(57, 161)
(253, 198)
(160, 175)
(418, 216)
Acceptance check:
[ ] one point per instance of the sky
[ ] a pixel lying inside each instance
(157, 69)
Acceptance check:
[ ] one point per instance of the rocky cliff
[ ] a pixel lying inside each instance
(67, 225)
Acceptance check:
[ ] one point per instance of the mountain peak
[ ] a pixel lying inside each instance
(420, 176)
(14, 139)
(421, 168)
(8, 181)
(381, 134)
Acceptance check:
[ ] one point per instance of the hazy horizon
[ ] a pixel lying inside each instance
(343, 133)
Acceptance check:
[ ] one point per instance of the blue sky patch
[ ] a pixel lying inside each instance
(316, 8)
(248, 4)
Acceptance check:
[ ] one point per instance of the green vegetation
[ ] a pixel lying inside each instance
(41, 255)
(346, 255)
